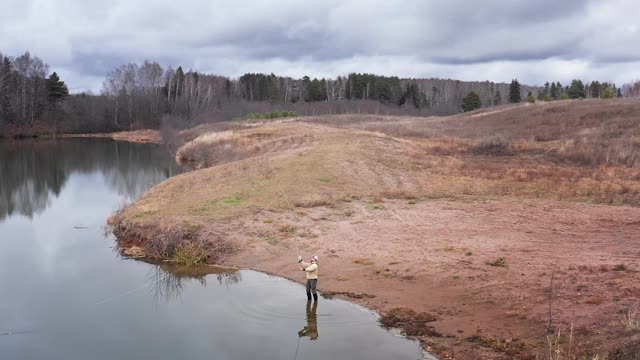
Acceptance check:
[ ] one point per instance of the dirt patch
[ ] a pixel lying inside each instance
(514, 349)
(411, 322)
(346, 294)
(444, 247)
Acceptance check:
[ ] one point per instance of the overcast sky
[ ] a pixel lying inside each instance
(496, 40)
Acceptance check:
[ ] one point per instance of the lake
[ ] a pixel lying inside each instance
(66, 293)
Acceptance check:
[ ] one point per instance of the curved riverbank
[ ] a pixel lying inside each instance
(424, 225)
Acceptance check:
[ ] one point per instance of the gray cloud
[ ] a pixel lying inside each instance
(489, 40)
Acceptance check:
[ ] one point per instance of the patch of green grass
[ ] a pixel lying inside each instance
(469, 253)
(411, 202)
(620, 267)
(270, 115)
(231, 200)
(325, 180)
(268, 221)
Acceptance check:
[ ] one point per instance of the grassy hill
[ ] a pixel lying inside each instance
(420, 205)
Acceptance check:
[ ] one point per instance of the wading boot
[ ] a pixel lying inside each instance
(308, 296)
(315, 297)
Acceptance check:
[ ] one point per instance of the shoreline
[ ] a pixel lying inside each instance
(146, 136)
(480, 309)
(136, 136)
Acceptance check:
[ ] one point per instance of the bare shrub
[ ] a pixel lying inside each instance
(598, 150)
(494, 146)
(164, 240)
(499, 262)
(631, 318)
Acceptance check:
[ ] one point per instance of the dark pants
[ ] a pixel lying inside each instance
(311, 288)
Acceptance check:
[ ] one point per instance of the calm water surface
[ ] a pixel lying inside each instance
(66, 294)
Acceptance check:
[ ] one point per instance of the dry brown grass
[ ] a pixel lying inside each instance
(314, 200)
(587, 132)
(220, 147)
(631, 318)
(278, 166)
(494, 146)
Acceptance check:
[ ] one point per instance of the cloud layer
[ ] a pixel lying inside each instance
(496, 40)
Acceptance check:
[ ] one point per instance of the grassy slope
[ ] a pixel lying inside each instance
(283, 164)
(279, 167)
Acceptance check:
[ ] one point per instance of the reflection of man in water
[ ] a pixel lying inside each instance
(311, 330)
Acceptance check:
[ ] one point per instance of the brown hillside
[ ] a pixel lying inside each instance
(412, 211)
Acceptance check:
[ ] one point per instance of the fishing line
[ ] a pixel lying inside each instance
(295, 357)
(129, 292)
(18, 332)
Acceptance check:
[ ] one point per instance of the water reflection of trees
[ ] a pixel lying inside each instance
(167, 281)
(33, 172)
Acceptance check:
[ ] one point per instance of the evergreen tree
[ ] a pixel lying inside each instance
(7, 89)
(619, 93)
(514, 92)
(412, 95)
(576, 90)
(531, 98)
(553, 92)
(545, 92)
(306, 85)
(471, 102)
(560, 90)
(595, 89)
(56, 89)
(323, 90)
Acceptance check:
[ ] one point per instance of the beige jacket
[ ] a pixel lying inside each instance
(310, 269)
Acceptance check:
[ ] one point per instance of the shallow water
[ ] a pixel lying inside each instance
(66, 294)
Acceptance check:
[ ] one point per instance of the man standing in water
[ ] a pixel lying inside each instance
(311, 270)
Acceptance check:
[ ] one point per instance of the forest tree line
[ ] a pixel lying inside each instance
(135, 96)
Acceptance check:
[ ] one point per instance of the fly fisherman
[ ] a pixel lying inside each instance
(311, 270)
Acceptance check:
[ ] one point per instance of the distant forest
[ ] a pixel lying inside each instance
(34, 100)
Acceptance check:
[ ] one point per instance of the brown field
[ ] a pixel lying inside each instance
(482, 220)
